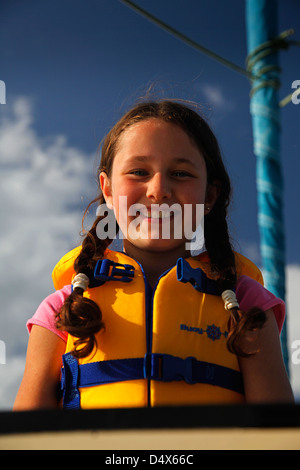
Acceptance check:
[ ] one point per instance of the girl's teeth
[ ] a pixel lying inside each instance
(158, 215)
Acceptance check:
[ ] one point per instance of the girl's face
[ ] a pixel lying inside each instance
(155, 163)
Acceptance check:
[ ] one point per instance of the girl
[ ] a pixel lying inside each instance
(154, 325)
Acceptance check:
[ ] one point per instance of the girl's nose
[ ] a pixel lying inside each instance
(159, 188)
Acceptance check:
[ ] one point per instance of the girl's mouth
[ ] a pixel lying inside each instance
(156, 216)
(159, 215)
(155, 221)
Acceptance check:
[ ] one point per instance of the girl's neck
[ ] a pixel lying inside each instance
(154, 263)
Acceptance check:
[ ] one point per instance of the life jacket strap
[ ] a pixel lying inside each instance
(167, 368)
(107, 270)
(161, 367)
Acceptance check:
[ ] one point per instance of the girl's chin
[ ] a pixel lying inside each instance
(157, 245)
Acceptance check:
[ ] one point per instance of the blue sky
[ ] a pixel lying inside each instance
(71, 68)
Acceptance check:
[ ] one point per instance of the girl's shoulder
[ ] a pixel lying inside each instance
(251, 293)
(250, 290)
(64, 269)
(244, 266)
(46, 312)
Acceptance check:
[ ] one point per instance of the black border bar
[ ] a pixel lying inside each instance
(241, 416)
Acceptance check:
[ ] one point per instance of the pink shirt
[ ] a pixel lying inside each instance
(249, 294)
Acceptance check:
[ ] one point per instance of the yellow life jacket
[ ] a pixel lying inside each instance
(165, 346)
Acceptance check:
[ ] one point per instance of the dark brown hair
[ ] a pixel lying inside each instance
(82, 317)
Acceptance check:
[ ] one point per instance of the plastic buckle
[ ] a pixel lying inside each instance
(189, 367)
(196, 277)
(152, 366)
(187, 274)
(168, 368)
(107, 270)
(176, 368)
(171, 368)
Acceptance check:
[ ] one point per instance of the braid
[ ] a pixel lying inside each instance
(219, 248)
(223, 265)
(79, 316)
(217, 239)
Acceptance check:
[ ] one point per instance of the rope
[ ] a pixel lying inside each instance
(262, 51)
(268, 47)
(258, 73)
(185, 39)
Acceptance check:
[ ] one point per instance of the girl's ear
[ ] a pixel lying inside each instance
(106, 189)
(212, 194)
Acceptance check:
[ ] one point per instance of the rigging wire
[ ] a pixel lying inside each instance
(185, 39)
(269, 47)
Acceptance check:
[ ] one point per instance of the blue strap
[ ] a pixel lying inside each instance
(196, 277)
(104, 372)
(70, 382)
(107, 270)
(160, 367)
(167, 368)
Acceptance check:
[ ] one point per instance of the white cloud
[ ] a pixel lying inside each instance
(42, 182)
(216, 97)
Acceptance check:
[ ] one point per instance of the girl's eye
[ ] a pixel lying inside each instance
(181, 174)
(138, 172)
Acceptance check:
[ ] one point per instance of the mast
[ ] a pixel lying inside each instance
(261, 21)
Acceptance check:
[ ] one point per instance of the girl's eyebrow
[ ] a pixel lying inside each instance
(145, 158)
(139, 158)
(185, 161)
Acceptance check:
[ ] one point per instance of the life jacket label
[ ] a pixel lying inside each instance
(213, 332)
